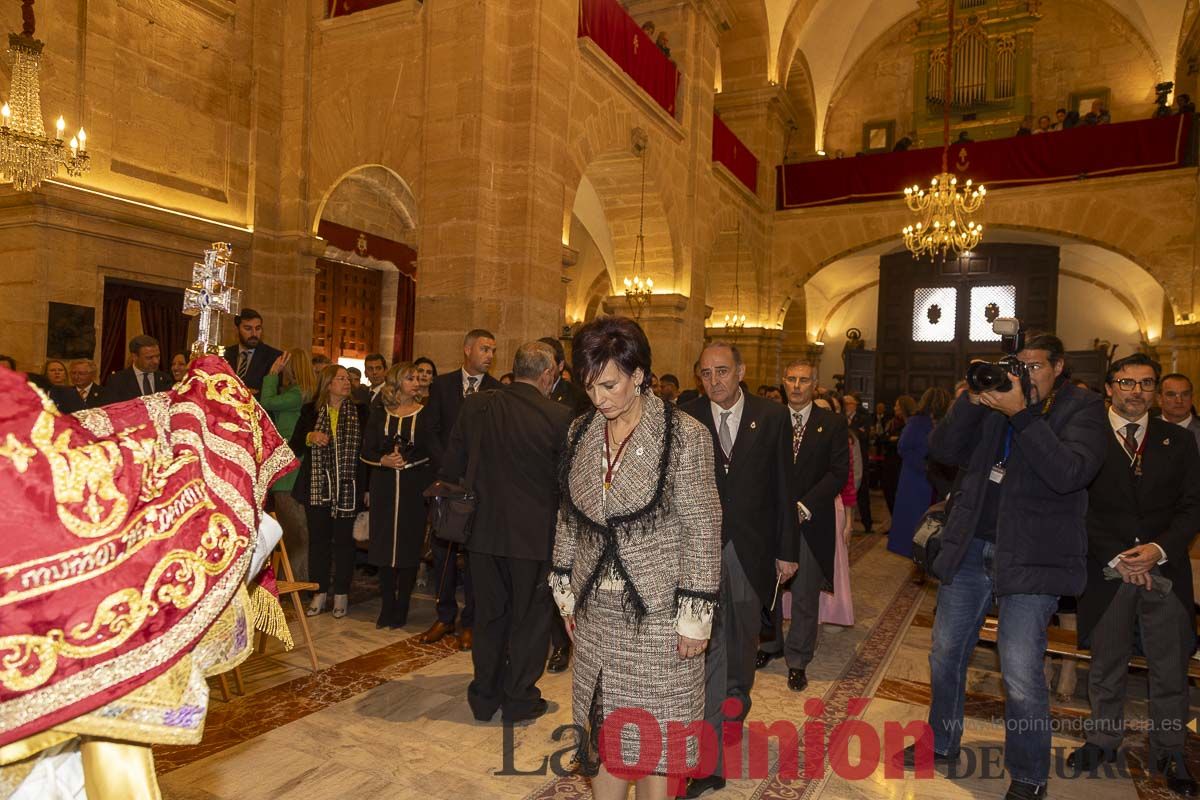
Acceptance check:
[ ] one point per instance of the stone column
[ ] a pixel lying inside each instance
(1181, 351)
(672, 347)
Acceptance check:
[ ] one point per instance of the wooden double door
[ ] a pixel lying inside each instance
(934, 317)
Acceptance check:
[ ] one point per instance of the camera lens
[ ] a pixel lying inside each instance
(985, 377)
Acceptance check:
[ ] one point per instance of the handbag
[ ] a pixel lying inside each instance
(362, 527)
(927, 540)
(452, 505)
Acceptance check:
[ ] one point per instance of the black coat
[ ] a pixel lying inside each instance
(122, 385)
(521, 437)
(1041, 538)
(260, 364)
(441, 410)
(299, 444)
(571, 396)
(1163, 506)
(815, 479)
(755, 513)
(397, 520)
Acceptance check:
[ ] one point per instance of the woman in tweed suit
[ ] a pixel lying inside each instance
(636, 560)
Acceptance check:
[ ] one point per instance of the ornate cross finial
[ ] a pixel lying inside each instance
(210, 295)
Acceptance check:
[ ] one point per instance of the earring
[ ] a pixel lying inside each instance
(637, 390)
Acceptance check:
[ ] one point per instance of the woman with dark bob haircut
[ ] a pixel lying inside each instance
(637, 558)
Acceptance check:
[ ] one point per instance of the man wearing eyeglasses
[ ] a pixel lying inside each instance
(1015, 531)
(1176, 403)
(1144, 509)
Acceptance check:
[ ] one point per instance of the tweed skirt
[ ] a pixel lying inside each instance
(635, 670)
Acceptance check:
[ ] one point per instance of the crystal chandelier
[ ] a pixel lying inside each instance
(943, 211)
(27, 155)
(736, 322)
(637, 289)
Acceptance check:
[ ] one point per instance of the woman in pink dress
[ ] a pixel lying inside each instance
(838, 608)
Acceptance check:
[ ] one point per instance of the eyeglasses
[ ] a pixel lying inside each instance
(1184, 395)
(1034, 366)
(1128, 384)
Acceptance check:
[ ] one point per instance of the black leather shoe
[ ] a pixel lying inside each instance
(907, 758)
(536, 710)
(1089, 757)
(762, 658)
(1019, 790)
(1174, 770)
(797, 680)
(698, 786)
(560, 657)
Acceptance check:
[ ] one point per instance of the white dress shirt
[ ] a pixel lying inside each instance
(735, 416)
(466, 384)
(1186, 422)
(1118, 424)
(137, 374)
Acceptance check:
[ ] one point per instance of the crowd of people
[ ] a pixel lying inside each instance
(674, 531)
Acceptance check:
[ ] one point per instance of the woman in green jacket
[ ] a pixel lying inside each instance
(288, 386)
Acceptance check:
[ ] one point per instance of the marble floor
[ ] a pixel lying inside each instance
(386, 717)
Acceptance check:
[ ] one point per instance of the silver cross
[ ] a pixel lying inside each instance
(210, 295)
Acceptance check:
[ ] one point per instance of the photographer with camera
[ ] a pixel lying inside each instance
(1028, 444)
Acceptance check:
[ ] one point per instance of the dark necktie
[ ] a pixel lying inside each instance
(243, 363)
(471, 388)
(1130, 439)
(798, 426)
(146, 386)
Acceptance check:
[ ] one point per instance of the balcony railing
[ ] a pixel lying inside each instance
(1075, 154)
(607, 24)
(728, 149)
(341, 8)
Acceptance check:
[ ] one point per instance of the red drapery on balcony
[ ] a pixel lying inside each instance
(1083, 152)
(607, 24)
(728, 149)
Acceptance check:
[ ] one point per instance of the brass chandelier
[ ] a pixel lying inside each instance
(943, 210)
(27, 155)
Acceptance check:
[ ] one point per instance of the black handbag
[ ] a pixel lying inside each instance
(452, 505)
(927, 540)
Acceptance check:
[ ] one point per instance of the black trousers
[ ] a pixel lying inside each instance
(558, 630)
(445, 575)
(395, 590)
(511, 633)
(801, 642)
(1168, 633)
(330, 539)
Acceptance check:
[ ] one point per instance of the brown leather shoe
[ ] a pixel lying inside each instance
(436, 631)
(464, 640)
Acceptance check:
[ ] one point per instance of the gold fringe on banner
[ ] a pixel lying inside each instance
(268, 616)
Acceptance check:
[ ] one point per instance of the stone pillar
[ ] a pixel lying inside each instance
(664, 319)
(1181, 351)
(490, 251)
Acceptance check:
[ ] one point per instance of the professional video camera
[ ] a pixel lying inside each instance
(984, 376)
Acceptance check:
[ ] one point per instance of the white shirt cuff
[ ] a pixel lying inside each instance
(1162, 560)
(805, 514)
(694, 618)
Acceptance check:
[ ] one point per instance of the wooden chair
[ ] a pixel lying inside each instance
(289, 586)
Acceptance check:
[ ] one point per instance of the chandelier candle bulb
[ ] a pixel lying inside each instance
(5, 112)
(60, 126)
(82, 139)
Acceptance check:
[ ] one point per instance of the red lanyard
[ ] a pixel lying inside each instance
(612, 462)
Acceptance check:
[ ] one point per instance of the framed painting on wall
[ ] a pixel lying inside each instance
(879, 137)
(1082, 101)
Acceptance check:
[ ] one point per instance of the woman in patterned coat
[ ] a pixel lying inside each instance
(637, 562)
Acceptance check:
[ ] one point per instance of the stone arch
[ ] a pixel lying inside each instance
(746, 57)
(603, 151)
(1134, 216)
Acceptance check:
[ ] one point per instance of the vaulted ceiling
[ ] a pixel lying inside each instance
(832, 35)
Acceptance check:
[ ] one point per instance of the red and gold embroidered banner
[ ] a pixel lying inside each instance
(607, 24)
(127, 531)
(728, 149)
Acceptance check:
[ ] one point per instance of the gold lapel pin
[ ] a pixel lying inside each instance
(753, 425)
(820, 428)
(1166, 442)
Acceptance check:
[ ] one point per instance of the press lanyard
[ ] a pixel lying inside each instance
(1008, 437)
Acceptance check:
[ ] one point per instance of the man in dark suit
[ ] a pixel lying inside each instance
(687, 395)
(859, 422)
(250, 358)
(446, 395)
(564, 391)
(752, 448)
(375, 369)
(520, 434)
(142, 377)
(1176, 399)
(1143, 511)
(576, 401)
(83, 383)
(820, 461)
